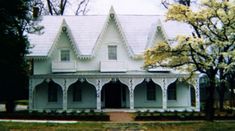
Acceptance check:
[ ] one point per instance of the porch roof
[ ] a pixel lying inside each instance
(97, 74)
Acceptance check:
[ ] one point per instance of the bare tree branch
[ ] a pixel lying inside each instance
(59, 7)
(79, 8)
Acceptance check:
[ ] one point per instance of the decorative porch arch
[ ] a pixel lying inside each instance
(50, 95)
(149, 94)
(81, 94)
(174, 97)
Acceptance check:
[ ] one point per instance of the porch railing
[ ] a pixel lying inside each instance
(58, 66)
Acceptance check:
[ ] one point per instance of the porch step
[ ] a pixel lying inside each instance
(121, 116)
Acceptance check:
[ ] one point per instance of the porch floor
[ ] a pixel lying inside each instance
(180, 109)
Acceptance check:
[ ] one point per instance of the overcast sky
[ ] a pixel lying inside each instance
(124, 6)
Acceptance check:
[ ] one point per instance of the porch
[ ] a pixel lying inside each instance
(127, 92)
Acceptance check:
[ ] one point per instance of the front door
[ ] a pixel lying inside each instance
(112, 95)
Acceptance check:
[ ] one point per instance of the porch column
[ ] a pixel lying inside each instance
(98, 95)
(197, 95)
(30, 95)
(131, 94)
(164, 94)
(65, 96)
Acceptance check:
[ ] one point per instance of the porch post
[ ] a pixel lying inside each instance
(164, 94)
(98, 95)
(197, 95)
(131, 94)
(64, 96)
(30, 95)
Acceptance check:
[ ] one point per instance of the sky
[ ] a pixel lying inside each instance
(124, 6)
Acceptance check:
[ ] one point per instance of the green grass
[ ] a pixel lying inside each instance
(100, 126)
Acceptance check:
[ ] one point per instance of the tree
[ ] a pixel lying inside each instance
(166, 3)
(58, 7)
(14, 21)
(210, 49)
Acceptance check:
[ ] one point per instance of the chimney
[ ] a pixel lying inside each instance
(35, 12)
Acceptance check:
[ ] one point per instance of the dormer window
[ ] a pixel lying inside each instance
(112, 52)
(64, 55)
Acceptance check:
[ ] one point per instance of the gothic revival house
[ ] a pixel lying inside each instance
(96, 62)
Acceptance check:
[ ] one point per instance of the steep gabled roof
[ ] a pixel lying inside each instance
(64, 28)
(85, 32)
(41, 43)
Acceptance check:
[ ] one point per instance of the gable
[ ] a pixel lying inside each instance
(63, 43)
(157, 35)
(113, 34)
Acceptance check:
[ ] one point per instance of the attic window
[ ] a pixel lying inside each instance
(112, 52)
(64, 55)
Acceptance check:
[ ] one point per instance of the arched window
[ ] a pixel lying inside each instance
(151, 91)
(171, 91)
(77, 93)
(52, 92)
(76, 89)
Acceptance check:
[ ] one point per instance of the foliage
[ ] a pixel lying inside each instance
(215, 39)
(210, 50)
(15, 20)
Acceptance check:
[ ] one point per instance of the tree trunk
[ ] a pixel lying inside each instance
(210, 101)
(232, 103)
(10, 106)
(221, 91)
(221, 102)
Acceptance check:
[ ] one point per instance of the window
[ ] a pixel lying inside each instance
(65, 55)
(151, 91)
(77, 94)
(112, 52)
(123, 93)
(52, 92)
(171, 92)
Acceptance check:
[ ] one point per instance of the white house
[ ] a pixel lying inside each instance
(96, 62)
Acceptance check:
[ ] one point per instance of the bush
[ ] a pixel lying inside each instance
(53, 115)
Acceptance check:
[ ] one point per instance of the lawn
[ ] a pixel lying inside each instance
(108, 126)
